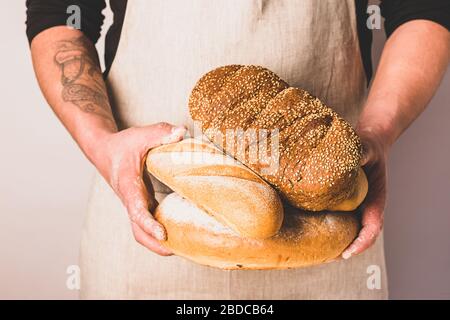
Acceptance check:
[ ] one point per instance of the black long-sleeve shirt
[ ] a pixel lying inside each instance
(43, 14)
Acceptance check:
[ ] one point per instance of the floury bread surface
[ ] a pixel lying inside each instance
(305, 238)
(319, 152)
(220, 185)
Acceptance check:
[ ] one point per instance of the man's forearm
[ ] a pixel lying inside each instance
(412, 65)
(67, 68)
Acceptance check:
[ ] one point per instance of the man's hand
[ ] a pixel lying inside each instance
(68, 72)
(413, 63)
(119, 157)
(374, 164)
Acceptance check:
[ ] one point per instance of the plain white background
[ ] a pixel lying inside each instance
(44, 187)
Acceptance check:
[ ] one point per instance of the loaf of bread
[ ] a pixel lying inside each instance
(304, 239)
(220, 185)
(317, 152)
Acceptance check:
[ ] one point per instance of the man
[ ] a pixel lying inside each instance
(165, 46)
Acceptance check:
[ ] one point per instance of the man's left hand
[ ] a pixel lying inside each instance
(374, 164)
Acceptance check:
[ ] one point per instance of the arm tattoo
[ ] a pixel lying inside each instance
(81, 78)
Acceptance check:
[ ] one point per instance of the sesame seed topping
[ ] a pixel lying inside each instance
(319, 152)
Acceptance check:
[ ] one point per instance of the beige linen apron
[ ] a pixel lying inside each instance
(165, 47)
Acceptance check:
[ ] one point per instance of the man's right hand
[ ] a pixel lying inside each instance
(68, 71)
(119, 157)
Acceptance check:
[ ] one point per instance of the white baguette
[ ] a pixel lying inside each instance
(220, 185)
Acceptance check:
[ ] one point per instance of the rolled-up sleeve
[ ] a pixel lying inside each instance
(44, 14)
(398, 12)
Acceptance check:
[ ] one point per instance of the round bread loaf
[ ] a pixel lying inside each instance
(305, 238)
(318, 152)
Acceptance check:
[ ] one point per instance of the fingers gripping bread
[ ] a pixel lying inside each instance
(220, 185)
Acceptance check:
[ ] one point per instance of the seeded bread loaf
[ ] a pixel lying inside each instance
(317, 152)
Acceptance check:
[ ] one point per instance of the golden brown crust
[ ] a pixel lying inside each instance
(217, 183)
(360, 192)
(319, 151)
(305, 238)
